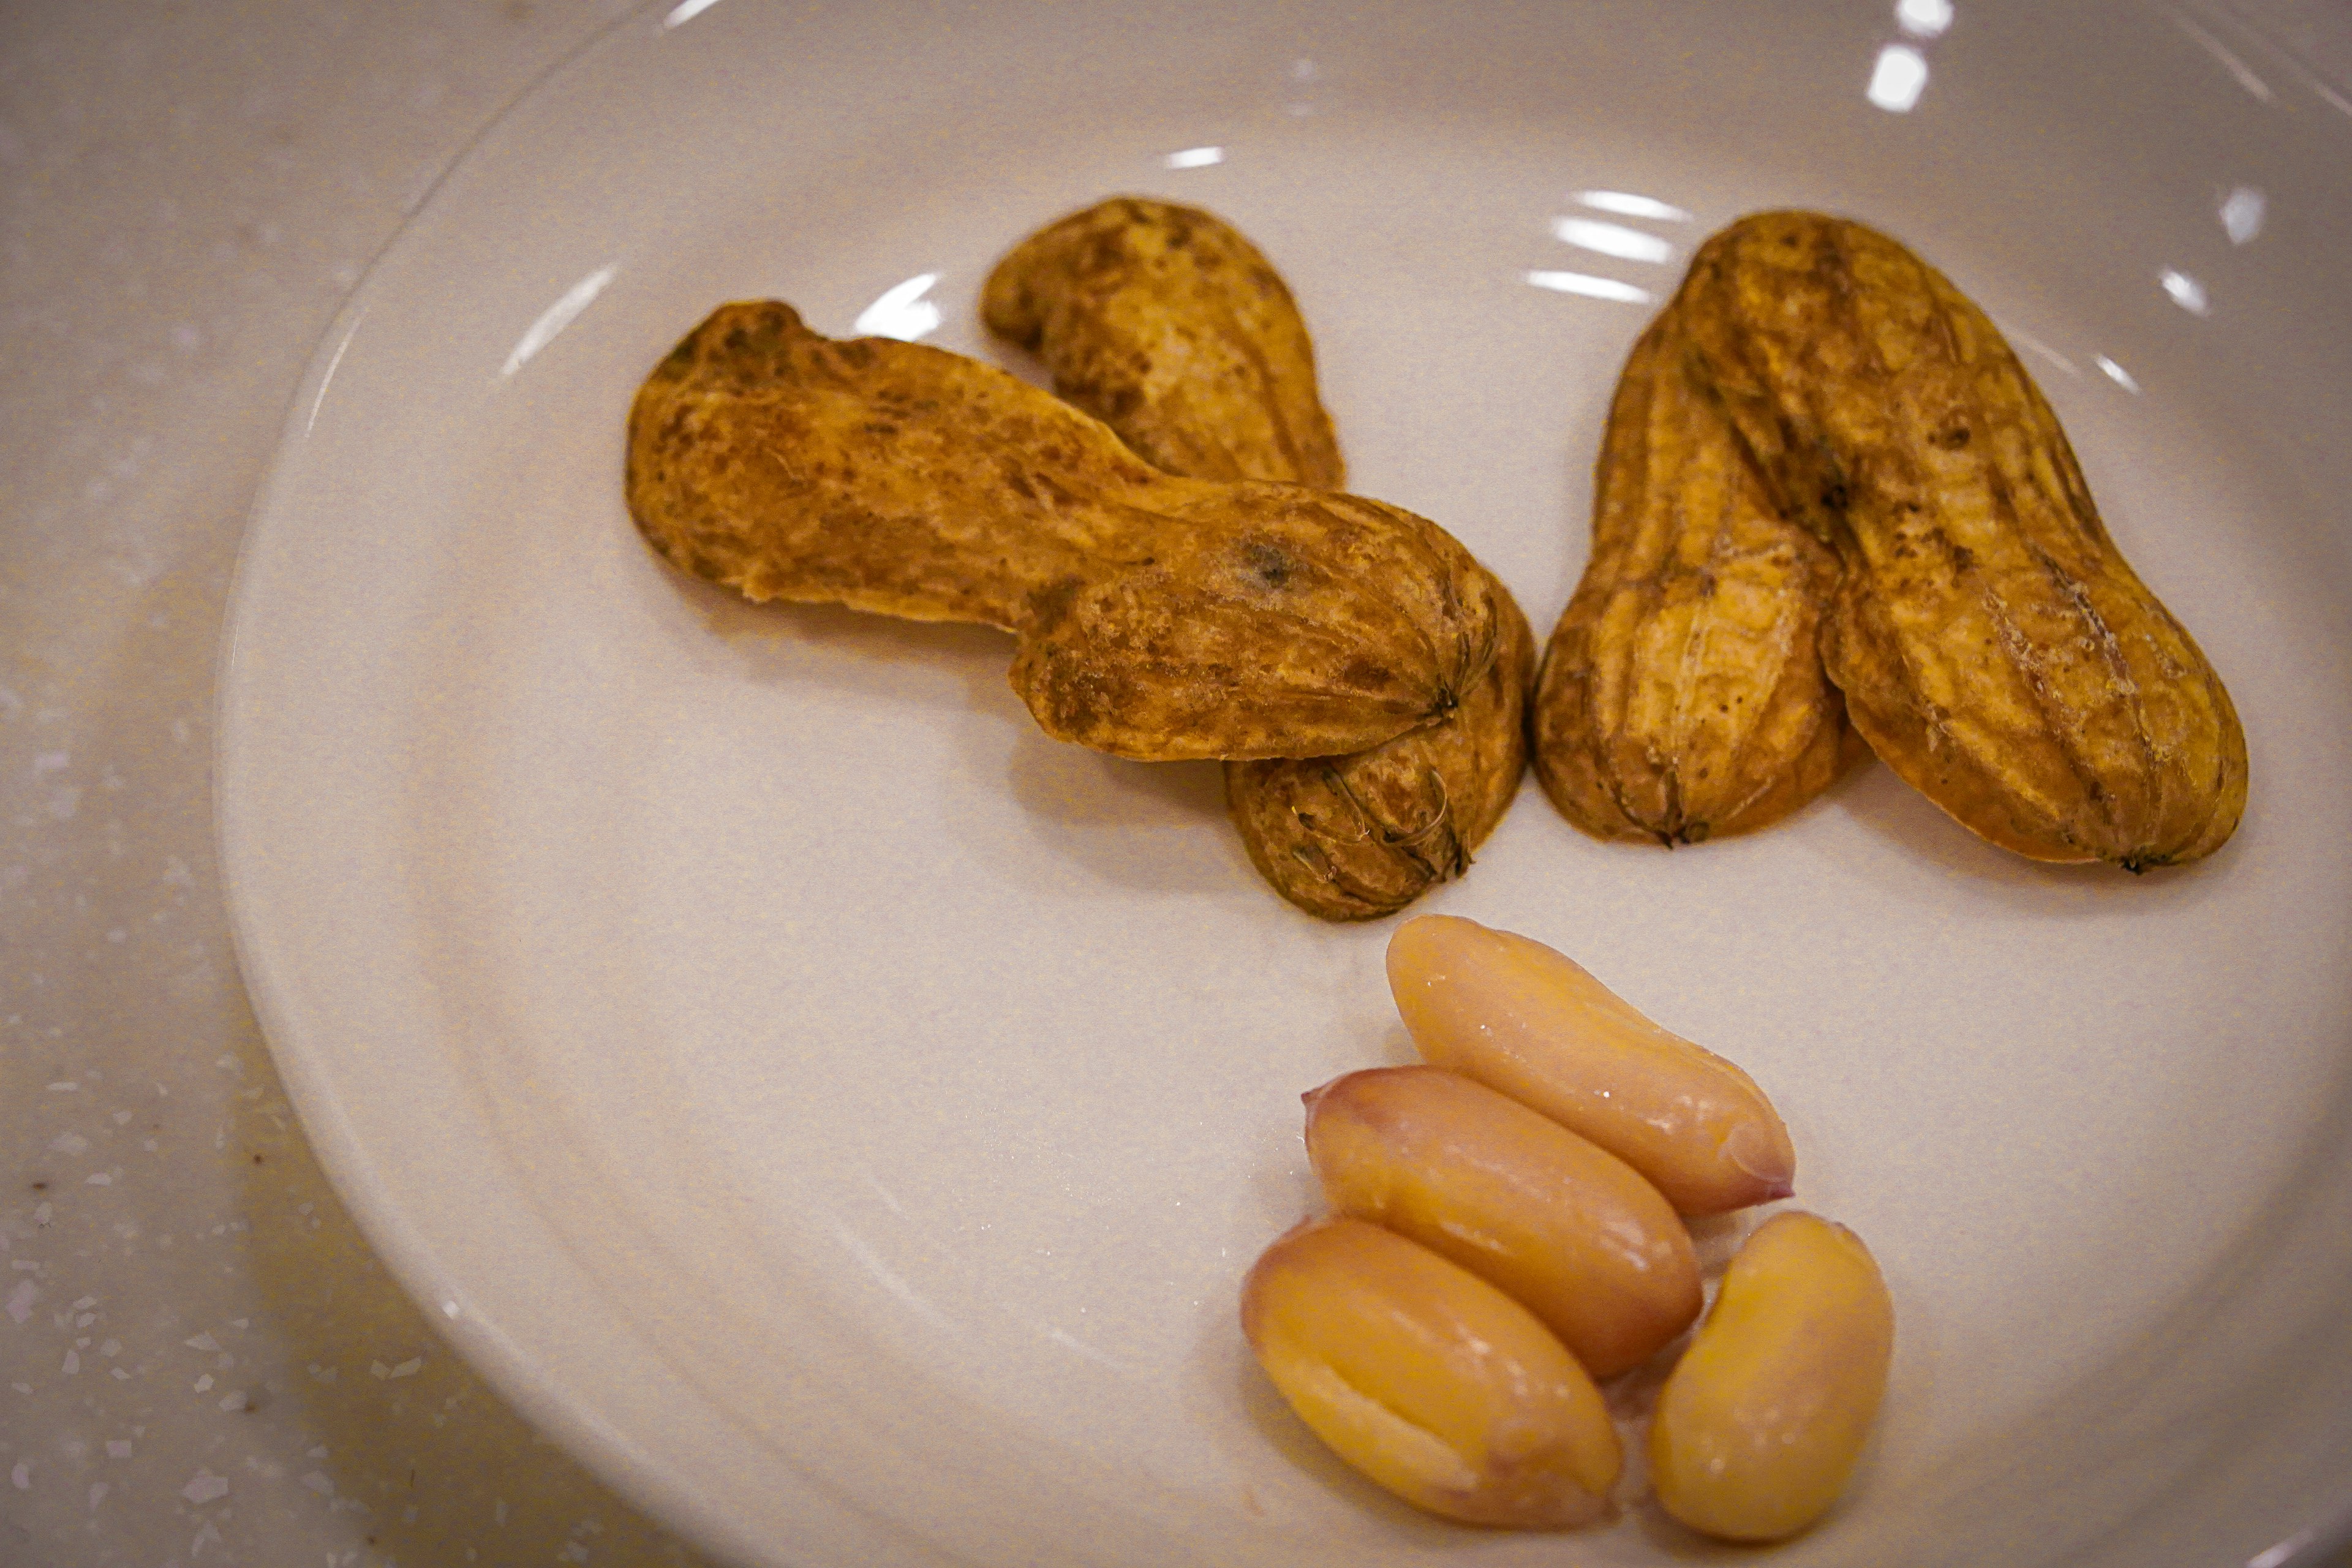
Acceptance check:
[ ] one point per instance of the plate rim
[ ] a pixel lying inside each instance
(518, 1376)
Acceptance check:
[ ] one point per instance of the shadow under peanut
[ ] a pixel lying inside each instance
(1122, 826)
(1906, 819)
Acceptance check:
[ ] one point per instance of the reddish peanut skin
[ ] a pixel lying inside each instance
(1567, 1229)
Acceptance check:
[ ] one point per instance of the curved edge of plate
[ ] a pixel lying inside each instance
(512, 1371)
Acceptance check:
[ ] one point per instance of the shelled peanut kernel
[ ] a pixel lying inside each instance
(1509, 1231)
(1760, 1425)
(1428, 1380)
(1531, 1023)
(1568, 1230)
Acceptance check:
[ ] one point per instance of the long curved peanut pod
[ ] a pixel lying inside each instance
(1682, 697)
(1169, 325)
(1993, 645)
(1159, 618)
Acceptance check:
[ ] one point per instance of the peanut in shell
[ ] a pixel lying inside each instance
(1993, 645)
(1358, 836)
(1158, 618)
(1169, 325)
(1682, 696)
(1165, 323)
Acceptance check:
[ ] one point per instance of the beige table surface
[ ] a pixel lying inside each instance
(204, 1362)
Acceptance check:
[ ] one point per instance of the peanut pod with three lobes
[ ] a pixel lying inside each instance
(1992, 645)
(1166, 323)
(1158, 617)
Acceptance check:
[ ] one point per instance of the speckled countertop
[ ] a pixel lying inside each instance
(203, 1361)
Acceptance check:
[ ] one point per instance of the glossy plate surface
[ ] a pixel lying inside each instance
(844, 1115)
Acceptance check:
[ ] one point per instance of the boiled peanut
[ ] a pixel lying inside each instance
(1167, 325)
(1429, 1380)
(1993, 645)
(1569, 1231)
(1682, 696)
(1760, 1425)
(1529, 1022)
(1158, 617)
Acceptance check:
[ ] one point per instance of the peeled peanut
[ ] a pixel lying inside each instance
(1760, 1422)
(1530, 1022)
(1429, 1380)
(1567, 1229)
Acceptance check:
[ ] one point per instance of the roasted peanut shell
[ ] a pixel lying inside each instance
(1993, 645)
(1158, 618)
(1166, 323)
(1682, 696)
(1359, 836)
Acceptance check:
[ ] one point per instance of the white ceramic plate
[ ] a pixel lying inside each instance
(844, 1115)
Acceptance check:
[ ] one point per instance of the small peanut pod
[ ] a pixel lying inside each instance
(1760, 1423)
(1429, 1380)
(1167, 324)
(1530, 1022)
(1355, 838)
(1682, 697)
(1569, 1231)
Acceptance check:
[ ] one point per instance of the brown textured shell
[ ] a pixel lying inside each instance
(1165, 323)
(1159, 618)
(1682, 696)
(1169, 325)
(1359, 836)
(1993, 645)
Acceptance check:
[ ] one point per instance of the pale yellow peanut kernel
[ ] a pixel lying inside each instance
(1566, 1228)
(1758, 1425)
(1530, 1022)
(1429, 1380)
